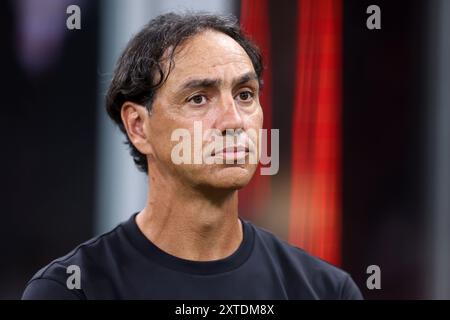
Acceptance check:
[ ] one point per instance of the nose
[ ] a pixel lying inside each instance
(229, 117)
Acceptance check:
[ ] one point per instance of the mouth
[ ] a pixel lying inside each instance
(233, 152)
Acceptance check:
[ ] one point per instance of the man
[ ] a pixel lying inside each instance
(189, 242)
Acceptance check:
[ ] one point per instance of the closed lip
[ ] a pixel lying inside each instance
(232, 149)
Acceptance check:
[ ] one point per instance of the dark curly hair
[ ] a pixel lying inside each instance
(139, 70)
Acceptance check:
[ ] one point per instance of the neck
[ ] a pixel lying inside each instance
(191, 224)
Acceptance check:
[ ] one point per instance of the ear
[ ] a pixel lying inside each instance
(134, 117)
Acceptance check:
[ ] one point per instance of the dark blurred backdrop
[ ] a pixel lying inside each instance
(394, 186)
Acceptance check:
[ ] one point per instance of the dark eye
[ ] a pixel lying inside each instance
(198, 99)
(245, 96)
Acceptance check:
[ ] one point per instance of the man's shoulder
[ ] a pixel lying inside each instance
(297, 264)
(296, 255)
(53, 277)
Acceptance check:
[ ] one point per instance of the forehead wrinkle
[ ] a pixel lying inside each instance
(196, 62)
(228, 50)
(215, 63)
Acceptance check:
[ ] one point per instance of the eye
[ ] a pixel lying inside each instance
(197, 99)
(245, 96)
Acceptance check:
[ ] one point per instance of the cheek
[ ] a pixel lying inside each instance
(159, 134)
(255, 120)
(261, 117)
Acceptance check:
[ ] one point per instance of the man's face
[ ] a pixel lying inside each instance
(213, 82)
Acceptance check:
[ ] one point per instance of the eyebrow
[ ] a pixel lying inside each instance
(209, 83)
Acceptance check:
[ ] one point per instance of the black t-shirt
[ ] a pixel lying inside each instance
(124, 264)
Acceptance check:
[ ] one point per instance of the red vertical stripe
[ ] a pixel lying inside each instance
(255, 23)
(315, 215)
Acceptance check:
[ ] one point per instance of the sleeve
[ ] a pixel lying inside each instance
(350, 290)
(48, 289)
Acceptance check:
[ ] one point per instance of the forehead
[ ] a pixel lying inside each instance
(210, 53)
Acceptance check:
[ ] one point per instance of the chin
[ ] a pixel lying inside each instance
(225, 177)
(233, 177)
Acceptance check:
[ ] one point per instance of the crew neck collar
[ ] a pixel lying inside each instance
(155, 254)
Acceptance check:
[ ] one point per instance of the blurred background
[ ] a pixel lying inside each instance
(364, 175)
